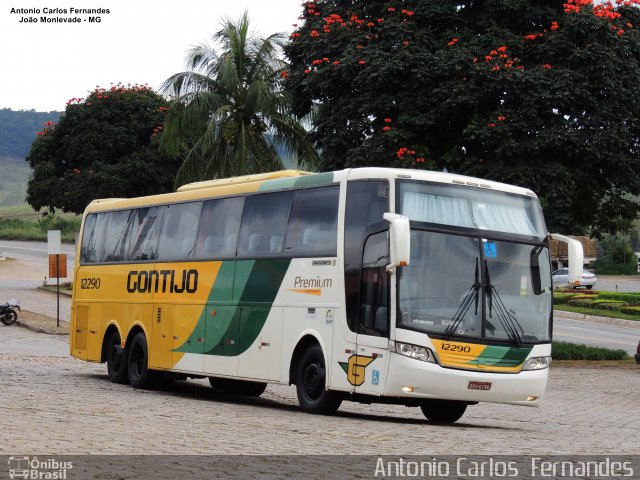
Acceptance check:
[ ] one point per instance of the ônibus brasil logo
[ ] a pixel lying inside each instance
(36, 469)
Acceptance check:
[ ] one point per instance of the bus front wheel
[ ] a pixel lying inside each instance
(311, 380)
(138, 363)
(443, 411)
(116, 360)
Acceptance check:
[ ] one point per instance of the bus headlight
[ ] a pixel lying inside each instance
(414, 351)
(537, 363)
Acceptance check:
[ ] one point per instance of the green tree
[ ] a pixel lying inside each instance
(541, 94)
(231, 116)
(104, 146)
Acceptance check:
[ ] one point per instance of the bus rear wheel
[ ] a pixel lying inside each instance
(116, 360)
(443, 411)
(138, 363)
(311, 381)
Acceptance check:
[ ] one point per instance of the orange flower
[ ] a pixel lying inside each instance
(361, 62)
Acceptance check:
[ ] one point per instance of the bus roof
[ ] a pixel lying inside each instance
(296, 178)
(259, 177)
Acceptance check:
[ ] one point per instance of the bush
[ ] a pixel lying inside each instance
(560, 298)
(573, 351)
(630, 298)
(631, 310)
(611, 305)
(28, 229)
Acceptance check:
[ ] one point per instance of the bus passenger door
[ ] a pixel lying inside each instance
(368, 367)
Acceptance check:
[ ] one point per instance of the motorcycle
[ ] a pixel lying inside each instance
(8, 314)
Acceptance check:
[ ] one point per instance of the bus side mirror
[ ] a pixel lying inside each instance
(400, 240)
(576, 257)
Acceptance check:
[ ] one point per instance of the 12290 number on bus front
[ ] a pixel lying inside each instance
(455, 348)
(89, 283)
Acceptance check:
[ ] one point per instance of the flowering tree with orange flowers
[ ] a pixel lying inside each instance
(540, 94)
(105, 145)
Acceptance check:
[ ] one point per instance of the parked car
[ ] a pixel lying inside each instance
(638, 353)
(587, 279)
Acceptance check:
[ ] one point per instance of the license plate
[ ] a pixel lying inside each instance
(479, 386)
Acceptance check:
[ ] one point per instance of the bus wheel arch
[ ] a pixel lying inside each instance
(114, 355)
(310, 376)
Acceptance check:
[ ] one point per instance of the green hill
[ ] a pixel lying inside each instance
(18, 130)
(13, 181)
(17, 133)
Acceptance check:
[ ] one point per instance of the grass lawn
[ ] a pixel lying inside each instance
(594, 311)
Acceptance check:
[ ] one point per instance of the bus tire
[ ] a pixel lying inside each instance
(117, 367)
(311, 381)
(443, 411)
(138, 363)
(237, 387)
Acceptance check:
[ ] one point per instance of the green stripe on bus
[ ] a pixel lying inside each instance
(296, 182)
(234, 328)
(502, 356)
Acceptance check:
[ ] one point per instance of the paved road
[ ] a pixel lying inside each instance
(60, 405)
(611, 283)
(597, 335)
(36, 253)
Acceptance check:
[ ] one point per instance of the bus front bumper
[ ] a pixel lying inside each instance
(408, 377)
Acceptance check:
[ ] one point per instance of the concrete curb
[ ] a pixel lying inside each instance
(49, 330)
(62, 292)
(618, 322)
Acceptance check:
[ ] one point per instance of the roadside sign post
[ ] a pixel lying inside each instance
(54, 244)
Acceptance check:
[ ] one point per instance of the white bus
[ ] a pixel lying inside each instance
(374, 285)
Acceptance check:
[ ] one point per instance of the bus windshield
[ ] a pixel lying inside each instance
(476, 208)
(480, 285)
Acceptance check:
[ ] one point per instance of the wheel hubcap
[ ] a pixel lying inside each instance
(314, 380)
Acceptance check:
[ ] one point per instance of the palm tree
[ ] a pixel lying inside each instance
(231, 110)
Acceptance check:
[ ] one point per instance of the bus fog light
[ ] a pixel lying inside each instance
(414, 351)
(408, 389)
(537, 363)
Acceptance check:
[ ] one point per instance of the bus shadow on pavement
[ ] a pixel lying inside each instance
(192, 390)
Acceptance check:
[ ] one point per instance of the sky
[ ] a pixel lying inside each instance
(43, 65)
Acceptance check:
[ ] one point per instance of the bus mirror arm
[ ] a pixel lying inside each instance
(399, 239)
(575, 254)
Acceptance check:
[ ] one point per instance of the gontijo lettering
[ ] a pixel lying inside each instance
(147, 281)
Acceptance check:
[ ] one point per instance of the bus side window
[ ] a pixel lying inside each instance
(178, 234)
(373, 318)
(144, 244)
(87, 236)
(95, 240)
(313, 224)
(218, 231)
(116, 238)
(263, 224)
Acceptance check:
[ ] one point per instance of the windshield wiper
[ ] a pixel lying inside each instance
(465, 304)
(506, 317)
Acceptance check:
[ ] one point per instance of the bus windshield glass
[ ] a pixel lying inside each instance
(483, 285)
(466, 207)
